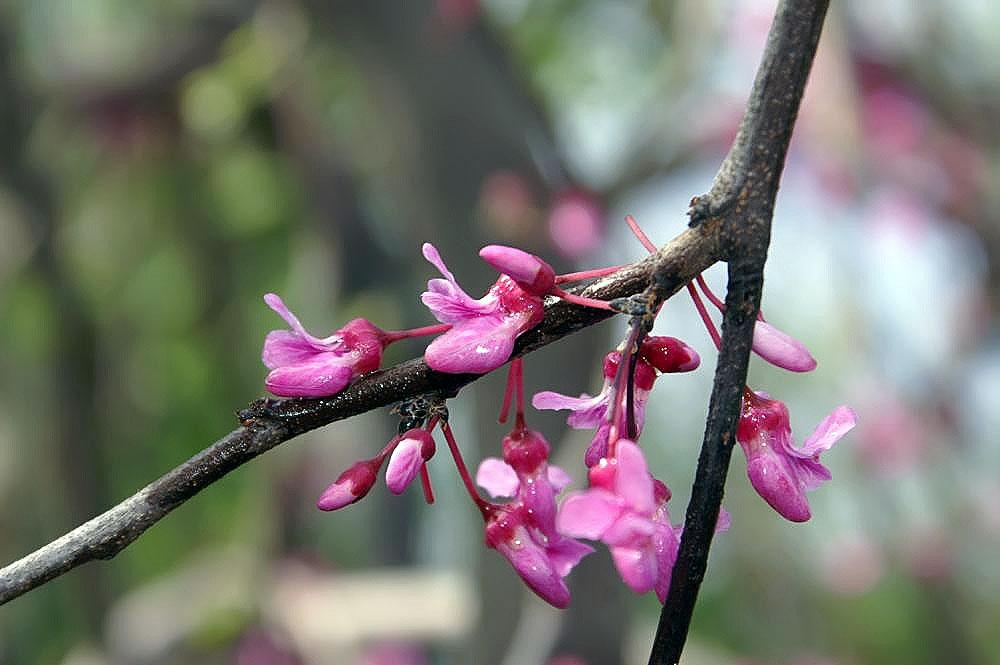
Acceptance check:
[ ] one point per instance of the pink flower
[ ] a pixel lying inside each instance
(626, 508)
(530, 272)
(415, 447)
(306, 366)
(664, 354)
(483, 331)
(780, 472)
(524, 530)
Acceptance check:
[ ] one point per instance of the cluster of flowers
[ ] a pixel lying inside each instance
(624, 507)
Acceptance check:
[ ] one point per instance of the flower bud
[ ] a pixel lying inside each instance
(415, 447)
(530, 272)
(351, 486)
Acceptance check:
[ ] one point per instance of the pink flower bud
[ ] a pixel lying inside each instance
(412, 451)
(352, 485)
(780, 349)
(669, 354)
(525, 450)
(530, 272)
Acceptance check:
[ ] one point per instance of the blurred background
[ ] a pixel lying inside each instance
(164, 164)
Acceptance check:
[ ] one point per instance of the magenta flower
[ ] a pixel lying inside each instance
(524, 530)
(483, 331)
(626, 508)
(303, 365)
(779, 472)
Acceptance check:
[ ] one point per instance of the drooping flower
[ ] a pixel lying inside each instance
(303, 365)
(524, 529)
(483, 331)
(779, 472)
(656, 354)
(627, 510)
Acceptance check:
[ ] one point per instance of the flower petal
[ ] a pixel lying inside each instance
(474, 346)
(278, 305)
(633, 482)
(322, 375)
(529, 271)
(446, 299)
(497, 477)
(774, 480)
(284, 347)
(587, 411)
(558, 478)
(780, 349)
(565, 553)
(840, 421)
(630, 530)
(588, 514)
(637, 567)
(666, 542)
(533, 564)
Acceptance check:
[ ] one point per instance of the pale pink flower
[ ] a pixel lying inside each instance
(780, 472)
(352, 485)
(303, 365)
(781, 349)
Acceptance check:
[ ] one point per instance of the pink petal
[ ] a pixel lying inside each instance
(497, 477)
(587, 411)
(558, 478)
(284, 347)
(633, 482)
(446, 299)
(474, 346)
(565, 553)
(404, 465)
(323, 375)
(529, 271)
(532, 563)
(775, 482)
(588, 514)
(841, 421)
(637, 567)
(278, 305)
(781, 349)
(666, 542)
(724, 521)
(630, 530)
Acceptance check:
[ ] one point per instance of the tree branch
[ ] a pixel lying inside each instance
(743, 193)
(268, 423)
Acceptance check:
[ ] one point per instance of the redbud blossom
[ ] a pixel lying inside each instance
(524, 530)
(780, 472)
(483, 331)
(303, 365)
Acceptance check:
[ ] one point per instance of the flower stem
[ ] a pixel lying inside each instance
(390, 336)
(463, 471)
(640, 234)
(714, 299)
(580, 300)
(587, 274)
(703, 312)
(425, 482)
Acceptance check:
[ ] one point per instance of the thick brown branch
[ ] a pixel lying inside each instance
(268, 423)
(742, 198)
